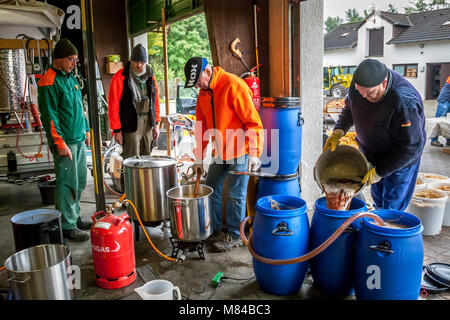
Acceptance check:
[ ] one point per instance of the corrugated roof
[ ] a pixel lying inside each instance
(426, 26)
(344, 36)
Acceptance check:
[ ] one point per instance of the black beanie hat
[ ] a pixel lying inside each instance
(370, 73)
(63, 49)
(139, 53)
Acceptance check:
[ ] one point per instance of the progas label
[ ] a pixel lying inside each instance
(106, 249)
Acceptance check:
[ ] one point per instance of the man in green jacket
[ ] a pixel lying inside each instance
(67, 129)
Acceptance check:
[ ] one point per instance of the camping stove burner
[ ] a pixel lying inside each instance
(186, 247)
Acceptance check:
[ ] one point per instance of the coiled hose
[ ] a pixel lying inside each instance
(310, 254)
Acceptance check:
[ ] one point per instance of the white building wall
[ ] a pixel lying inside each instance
(408, 53)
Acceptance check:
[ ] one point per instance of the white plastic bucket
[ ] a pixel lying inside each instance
(436, 186)
(432, 177)
(429, 211)
(420, 185)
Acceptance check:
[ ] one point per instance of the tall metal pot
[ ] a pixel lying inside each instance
(147, 179)
(190, 218)
(41, 273)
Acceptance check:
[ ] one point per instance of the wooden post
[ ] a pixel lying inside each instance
(166, 79)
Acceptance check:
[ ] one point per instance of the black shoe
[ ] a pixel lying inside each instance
(436, 144)
(76, 235)
(228, 243)
(217, 235)
(84, 224)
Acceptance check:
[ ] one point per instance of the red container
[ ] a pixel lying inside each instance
(253, 84)
(113, 250)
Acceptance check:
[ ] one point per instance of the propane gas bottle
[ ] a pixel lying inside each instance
(113, 250)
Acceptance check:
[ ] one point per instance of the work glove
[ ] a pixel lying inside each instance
(198, 165)
(371, 177)
(253, 164)
(333, 140)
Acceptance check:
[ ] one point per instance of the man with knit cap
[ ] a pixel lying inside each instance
(133, 105)
(388, 116)
(67, 130)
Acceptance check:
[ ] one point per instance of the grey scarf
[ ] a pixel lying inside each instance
(135, 82)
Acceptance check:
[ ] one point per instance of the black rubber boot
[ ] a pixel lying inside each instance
(76, 235)
(84, 224)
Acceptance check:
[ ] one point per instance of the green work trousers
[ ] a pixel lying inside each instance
(70, 182)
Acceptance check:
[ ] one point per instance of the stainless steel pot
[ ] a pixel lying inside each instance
(346, 162)
(190, 218)
(147, 180)
(40, 273)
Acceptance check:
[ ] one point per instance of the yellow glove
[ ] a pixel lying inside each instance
(371, 177)
(333, 140)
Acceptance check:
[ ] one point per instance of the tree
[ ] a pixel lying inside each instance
(185, 39)
(426, 5)
(392, 9)
(351, 15)
(332, 23)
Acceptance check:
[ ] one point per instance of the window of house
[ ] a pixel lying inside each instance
(376, 42)
(407, 70)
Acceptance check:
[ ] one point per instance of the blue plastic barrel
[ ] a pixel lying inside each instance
(388, 262)
(279, 185)
(280, 234)
(333, 269)
(282, 122)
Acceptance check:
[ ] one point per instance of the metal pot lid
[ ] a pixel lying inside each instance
(254, 174)
(149, 162)
(439, 272)
(430, 285)
(36, 216)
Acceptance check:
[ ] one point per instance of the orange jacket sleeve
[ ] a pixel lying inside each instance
(157, 108)
(114, 96)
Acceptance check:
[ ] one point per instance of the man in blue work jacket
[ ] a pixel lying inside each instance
(388, 116)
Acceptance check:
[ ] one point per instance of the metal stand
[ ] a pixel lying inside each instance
(186, 247)
(137, 227)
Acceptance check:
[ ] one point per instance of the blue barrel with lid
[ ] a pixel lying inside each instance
(280, 234)
(388, 260)
(282, 122)
(279, 185)
(333, 269)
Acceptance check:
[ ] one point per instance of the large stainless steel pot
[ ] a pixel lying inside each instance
(147, 180)
(190, 218)
(41, 273)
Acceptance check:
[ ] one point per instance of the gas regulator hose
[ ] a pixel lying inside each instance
(310, 254)
(146, 234)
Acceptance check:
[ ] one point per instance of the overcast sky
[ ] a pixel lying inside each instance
(333, 8)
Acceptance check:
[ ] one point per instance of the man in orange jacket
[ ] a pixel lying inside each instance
(133, 105)
(226, 114)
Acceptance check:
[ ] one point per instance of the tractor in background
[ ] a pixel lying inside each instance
(335, 81)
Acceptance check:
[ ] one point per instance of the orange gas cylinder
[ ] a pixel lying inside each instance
(113, 250)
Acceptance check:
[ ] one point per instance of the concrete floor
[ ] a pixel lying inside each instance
(193, 274)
